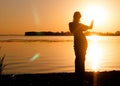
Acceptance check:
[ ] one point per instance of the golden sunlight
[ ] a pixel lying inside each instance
(94, 53)
(96, 13)
(94, 37)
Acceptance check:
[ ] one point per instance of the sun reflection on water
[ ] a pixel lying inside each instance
(94, 53)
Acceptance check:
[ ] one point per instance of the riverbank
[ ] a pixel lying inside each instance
(111, 78)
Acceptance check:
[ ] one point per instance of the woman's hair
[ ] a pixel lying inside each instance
(76, 16)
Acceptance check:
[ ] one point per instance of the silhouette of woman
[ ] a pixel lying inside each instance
(80, 43)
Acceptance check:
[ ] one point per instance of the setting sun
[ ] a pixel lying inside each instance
(96, 13)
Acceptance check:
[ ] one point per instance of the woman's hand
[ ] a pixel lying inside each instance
(92, 22)
(91, 25)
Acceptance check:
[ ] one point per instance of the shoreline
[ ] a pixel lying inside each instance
(106, 78)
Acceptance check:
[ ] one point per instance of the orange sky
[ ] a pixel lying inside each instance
(18, 16)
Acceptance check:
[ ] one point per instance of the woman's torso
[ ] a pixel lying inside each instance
(79, 37)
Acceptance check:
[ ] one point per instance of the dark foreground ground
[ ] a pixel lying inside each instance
(111, 78)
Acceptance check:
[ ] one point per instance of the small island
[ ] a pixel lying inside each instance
(67, 33)
(47, 33)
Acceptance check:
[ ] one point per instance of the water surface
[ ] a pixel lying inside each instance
(45, 54)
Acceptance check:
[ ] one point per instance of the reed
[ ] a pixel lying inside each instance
(2, 65)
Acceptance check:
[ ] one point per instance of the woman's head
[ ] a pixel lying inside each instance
(76, 16)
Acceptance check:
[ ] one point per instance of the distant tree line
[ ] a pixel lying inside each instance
(67, 33)
(117, 33)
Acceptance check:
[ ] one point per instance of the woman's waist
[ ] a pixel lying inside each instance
(80, 40)
(80, 43)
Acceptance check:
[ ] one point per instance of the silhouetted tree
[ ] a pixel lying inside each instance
(117, 33)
